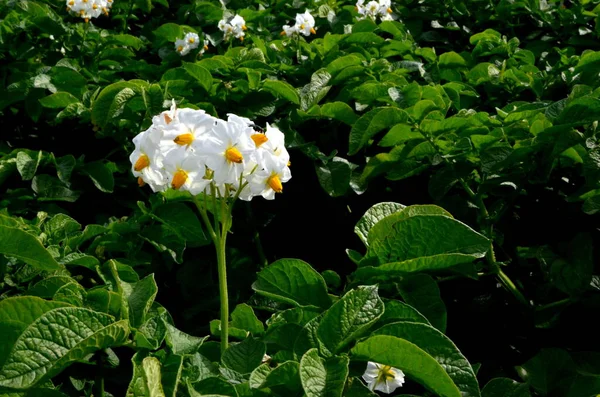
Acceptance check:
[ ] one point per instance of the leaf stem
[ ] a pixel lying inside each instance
(224, 298)
(99, 381)
(509, 285)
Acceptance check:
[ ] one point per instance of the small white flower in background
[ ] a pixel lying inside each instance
(233, 28)
(204, 47)
(190, 150)
(192, 39)
(182, 47)
(305, 23)
(374, 9)
(383, 378)
(88, 9)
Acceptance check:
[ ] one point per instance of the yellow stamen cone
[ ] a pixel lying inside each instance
(275, 183)
(233, 155)
(184, 139)
(142, 162)
(179, 179)
(168, 119)
(313, 31)
(259, 139)
(140, 182)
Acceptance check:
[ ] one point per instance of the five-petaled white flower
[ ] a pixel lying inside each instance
(88, 9)
(383, 378)
(235, 27)
(305, 23)
(374, 9)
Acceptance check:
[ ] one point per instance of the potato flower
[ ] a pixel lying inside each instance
(383, 378)
(235, 27)
(374, 9)
(88, 9)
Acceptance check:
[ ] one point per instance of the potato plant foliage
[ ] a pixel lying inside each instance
(439, 228)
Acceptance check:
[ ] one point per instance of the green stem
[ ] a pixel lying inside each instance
(99, 381)
(555, 305)
(205, 219)
(509, 285)
(222, 269)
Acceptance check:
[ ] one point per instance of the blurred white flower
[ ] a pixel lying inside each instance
(305, 23)
(383, 378)
(233, 28)
(88, 9)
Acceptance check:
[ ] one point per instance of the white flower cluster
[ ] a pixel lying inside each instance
(305, 24)
(87, 9)
(190, 150)
(383, 377)
(374, 9)
(190, 42)
(234, 27)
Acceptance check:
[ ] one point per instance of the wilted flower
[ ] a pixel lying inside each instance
(383, 378)
(88, 9)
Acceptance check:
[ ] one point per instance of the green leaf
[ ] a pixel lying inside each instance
(422, 292)
(583, 110)
(350, 317)
(146, 380)
(202, 75)
(335, 176)
(243, 317)
(101, 175)
(24, 246)
(184, 222)
(374, 215)
(169, 32)
(58, 100)
(452, 60)
(283, 89)
(293, 281)
(49, 188)
(139, 297)
(547, 371)
(282, 380)
(402, 243)
(399, 311)
(339, 111)
(16, 314)
(442, 349)
(314, 91)
(343, 62)
(504, 387)
(212, 387)
(27, 166)
(413, 361)
(111, 101)
(182, 343)
(58, 338)
(127, 40)
(323, 377)
(245, 356)
(371, 123)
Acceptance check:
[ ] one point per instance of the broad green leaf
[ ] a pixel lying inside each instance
(214, 387)
(61, 226)
(58, 100)
(243, 317)
(139, 297)
(442, 349)
(452, 60)
(314, 91)
(49, 188)
(371, 123)
(127, 40)
(547, 371)
(259, 375)
(171, 371)
(400, 244)
(27, 166)
(413, 361)
(583, 110)
(243, 357)
(101, 175)
(184, 222)
(422, 292)
(47, 287)
(374, 215)
(110, 102)
(182, 343)
(335, 176)
(16, 314)
(323, 377)
(339, 111)
(24, 246)
(199, 73)
(283, 379)
(283, 89)
(169, 32)
(341, 63)
(146, 379)
(399, 311)
(504, 387)
(349, 318)
(58, 338)
(294, 282)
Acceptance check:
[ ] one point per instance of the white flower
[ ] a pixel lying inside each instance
(187, 132)
(166, 117)
(383, 378)
(187, 172)
(204, 47)
(228, 150)
(269, 177)
(88, 9)
(147, 161)
(192, 40)
(182, 47)
(235, 27)
(289, 31)
(273, 142)
(305, 23)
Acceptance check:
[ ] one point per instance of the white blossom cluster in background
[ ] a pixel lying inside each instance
(234, 27)
(88, 9)
(190, 150)
(305, 24)
(190, 42)
(374, 9)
